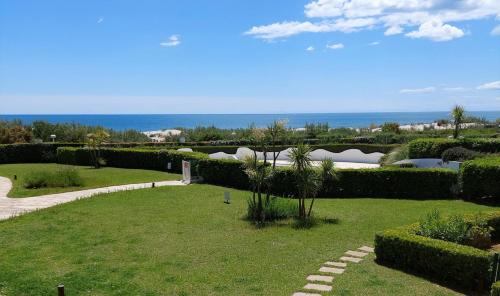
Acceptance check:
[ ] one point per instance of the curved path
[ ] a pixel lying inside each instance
(10, 207)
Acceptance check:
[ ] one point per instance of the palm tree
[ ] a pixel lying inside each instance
(94, 142)
(306, 178)
(458, 114)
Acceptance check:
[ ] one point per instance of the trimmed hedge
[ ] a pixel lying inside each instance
(481, 177)
(130, 158)
(455, 265)
(31, 153)
(384, 183)
(434, 148)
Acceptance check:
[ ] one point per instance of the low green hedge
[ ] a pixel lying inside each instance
(495, 289)
(452, 264)
(481, 177)
(30, 153)
(434, 148)
(130, 158)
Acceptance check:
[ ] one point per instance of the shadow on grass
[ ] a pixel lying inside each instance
(294, 222)
(482, 290)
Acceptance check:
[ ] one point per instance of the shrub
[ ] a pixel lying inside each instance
(397, 154)
(458, 154)
(434, 148)
(65, 177)
(276, 209)
(474, 232)
(481, 177)
(446, 262)
(453, 229)
(495, 289)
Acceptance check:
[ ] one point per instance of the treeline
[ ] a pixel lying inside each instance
(41, 131)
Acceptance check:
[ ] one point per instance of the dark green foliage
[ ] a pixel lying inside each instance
(276, 209)
(227, 173)
(451, 264)
(131, 158)
(481, 177)
(30, 153)
(66, 177)
(434, 148)
(458, 154)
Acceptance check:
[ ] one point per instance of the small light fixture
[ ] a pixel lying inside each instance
(169, 166)
(227, 197)
(53, 137)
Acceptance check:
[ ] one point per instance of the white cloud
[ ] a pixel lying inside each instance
(374, 43)
(437, 31)
(429, 19)
(286, 29)
(490, 85)
(173, 40)
(100, 20)
(418, 90)
(455, 89)
(496, 31)
(310, 48)
(335, 46)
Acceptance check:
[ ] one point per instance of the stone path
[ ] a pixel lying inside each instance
(10, 207)
(318, 283)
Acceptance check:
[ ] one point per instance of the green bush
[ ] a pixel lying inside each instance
(276, 209)
(481, 177)
(458, 154)
(473, 232)
(495, 289)
(449, 263)
(434, 148)
(65, 177)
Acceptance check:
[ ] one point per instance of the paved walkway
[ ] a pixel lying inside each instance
(10, 207)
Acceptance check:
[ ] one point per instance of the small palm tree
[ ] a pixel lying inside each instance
(458, 114)
(307, 180)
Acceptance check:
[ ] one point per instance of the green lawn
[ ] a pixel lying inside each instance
(186, 241)
(92, 178)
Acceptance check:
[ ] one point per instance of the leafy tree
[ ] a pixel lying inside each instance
(458, 114)
(14, 132)
(391, 127)
(94, 143)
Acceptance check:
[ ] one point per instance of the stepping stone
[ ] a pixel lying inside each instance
(333, 270)
(336, 264)
(356, 254)
(320, 278)
(318, 287)
(367, 249)
(351, 259)
(305, 294)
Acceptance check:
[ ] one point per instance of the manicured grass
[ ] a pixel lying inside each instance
(186, 241)
(92, 178)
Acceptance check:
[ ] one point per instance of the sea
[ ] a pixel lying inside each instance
(150, 122)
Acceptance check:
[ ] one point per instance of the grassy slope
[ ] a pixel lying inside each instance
(186, 241)
(92, 178)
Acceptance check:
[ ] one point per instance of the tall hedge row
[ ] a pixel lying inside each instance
(385, 183)
(130, 158)
(30, 153)
(434, 148)
(481, 177)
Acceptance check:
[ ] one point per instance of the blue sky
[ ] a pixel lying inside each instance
(248, 56)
